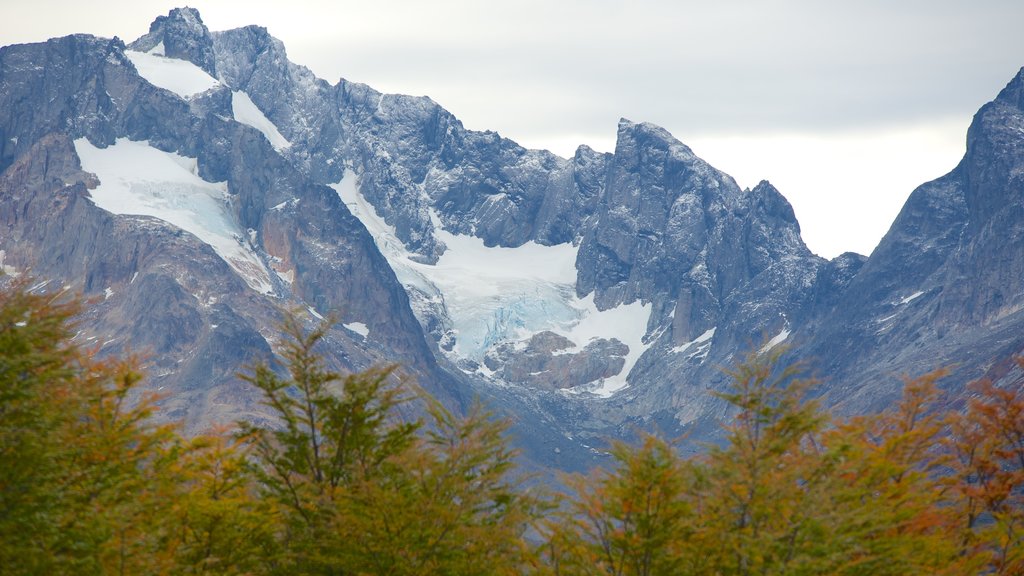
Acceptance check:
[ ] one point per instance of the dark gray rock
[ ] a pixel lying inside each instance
(547, 361)
(183, 36)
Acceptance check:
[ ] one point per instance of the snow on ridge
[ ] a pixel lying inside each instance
(179, 76)
(498, 294)
(246, 112)
(138, 179)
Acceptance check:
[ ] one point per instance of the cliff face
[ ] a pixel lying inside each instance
(195, 184)
(944, 286)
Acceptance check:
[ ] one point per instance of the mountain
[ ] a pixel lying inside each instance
(197, 183)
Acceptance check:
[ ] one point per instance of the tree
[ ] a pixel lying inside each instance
(884, 512)
(637, 519)
(763, 483)
(361, 491)
(215, 521)
(446, 505)
(75, 445)
(790, 491)
(36, 372)
(987, 484)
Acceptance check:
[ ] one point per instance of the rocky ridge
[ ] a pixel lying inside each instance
(381, 208)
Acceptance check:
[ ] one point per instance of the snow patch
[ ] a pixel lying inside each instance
(7, 269)
(107, 293)
(287, 276)
(626, 323)
(314, 313)
(698, 341)
(776, 340)
(136, 178)
(281, 206)
(179, 76)
(246, 112)
(912, 297)
(358, 328)
(158, 50)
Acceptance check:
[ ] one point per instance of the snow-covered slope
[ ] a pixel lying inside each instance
(137, 179)
(246, 112)
(179, 76)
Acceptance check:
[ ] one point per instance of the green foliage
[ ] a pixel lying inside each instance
(34, 367)
(360, 491)
(78, 460)
(341, 484)
(759, 482)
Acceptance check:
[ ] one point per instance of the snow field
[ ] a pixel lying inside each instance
(179, 76)
(138, 179)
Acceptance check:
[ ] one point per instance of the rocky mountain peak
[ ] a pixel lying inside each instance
(181, 34)
(646, 269)
(767, 200)
(1014, 91)
(648, 134)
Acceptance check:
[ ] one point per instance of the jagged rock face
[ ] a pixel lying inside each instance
(548, 361)
(85, 88)
(648, 268)
(414, 157)
(182, 35)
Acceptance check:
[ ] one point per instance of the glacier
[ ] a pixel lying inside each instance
(486, 296)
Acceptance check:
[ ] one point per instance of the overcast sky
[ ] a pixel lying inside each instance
(844, 106)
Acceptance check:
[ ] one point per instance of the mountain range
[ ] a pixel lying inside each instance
(196, 185)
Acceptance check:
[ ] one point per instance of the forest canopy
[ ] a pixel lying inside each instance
(92, 483)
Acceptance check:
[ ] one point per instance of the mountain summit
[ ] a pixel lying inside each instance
(197, 183)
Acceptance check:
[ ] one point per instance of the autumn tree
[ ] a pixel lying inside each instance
(214, 520)
(637, 519)
(884, 512)
(763, 482)
(986, 444)
(789, 491)
(76, 445)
